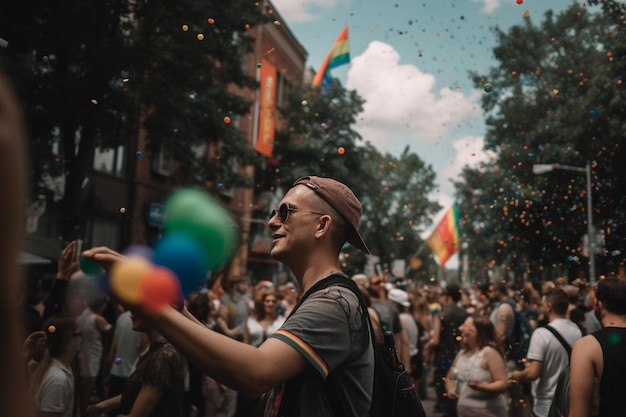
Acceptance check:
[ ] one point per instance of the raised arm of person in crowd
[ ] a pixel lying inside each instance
(67, 266)
(13, 168)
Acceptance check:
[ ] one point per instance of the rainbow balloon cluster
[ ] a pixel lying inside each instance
(199, 236)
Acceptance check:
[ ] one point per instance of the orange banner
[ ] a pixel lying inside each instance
(267, 109)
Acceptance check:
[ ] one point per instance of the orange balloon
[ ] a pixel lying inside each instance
(159, 289)
(126, 277)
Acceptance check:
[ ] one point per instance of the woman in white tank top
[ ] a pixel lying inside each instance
(477, 378)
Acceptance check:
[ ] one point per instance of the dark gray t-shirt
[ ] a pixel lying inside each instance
(330, 331)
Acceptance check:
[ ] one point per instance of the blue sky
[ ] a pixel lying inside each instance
(410, 61)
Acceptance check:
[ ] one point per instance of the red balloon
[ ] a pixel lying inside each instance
(160, 288)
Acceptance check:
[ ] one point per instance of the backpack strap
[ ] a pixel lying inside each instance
(560, 338)
(342, 280)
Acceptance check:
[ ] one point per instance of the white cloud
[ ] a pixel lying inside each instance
(401, 105)
(490, 5)
(294, 11)
(468, 152)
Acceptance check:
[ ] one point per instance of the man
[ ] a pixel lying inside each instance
(446, 343)
(361, 280)
(236, 302)
(600, 356)
(410, 332)
(503, 319)
(324, 344)
(546, 356)
(289, 294)
(503, 314)
(389, 317)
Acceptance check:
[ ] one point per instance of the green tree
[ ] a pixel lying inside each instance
(90, 74)
(318, 138)
(553, 101)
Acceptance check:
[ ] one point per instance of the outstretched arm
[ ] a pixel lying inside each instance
(243, 367)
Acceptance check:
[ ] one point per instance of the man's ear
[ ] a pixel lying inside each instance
(323, 226)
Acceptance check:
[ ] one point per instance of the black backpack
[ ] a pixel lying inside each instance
(560, 400)
(394, 393)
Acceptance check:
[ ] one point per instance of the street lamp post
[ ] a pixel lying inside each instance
(539, 169)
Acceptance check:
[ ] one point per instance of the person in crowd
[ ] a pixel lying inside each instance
(13, 194)
(400, 300)
(447, 344)
(31, 305)
(388, 316)
(236, 302)
(288, 298)
(503, 315)
(503, 318)
(265, 320)
(61, 298)
(361, 280)
(155, 387)
(477, 378)
(526, 307)
(419, 307)
(546, 355)
(466, 301)
(592, 322)
(322, 356)
(52, 383)
(92, 325)
(213, 394)
(231, 320)
(600, 356)
(126, 346)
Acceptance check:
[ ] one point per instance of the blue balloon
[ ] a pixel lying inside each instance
(183, 255)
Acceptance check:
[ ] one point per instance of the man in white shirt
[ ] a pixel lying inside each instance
(546, 355)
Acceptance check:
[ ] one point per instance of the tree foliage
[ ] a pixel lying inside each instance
(557, 98)
(91, 73)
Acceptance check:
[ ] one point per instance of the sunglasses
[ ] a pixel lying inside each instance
(283, 212)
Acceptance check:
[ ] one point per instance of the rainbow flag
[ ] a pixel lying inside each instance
(444, 241)
(338, 55)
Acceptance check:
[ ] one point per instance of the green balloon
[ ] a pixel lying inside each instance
(89, 266)
(194, 212)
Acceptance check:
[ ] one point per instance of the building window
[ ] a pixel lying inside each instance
(110, 160)
(102, 232)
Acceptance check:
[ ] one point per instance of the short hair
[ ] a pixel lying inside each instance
(454, 291)
(502, 288)
(612, 293)
(559, 300)
(339, 231)
(57, 329)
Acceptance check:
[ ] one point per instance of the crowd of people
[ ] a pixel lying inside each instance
(102, 360)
